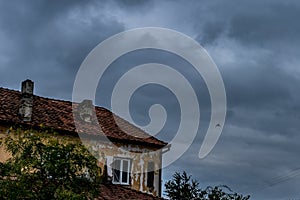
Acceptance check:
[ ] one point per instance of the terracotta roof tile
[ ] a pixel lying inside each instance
(114, 192)
(57, 114)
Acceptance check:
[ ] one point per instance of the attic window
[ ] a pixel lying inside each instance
(121, 171)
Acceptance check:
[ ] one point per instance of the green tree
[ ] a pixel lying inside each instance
(47, 166)
(182, 187)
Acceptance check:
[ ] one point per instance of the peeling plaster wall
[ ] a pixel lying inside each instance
(105, 153)
(3, 154)
(139, 156)
(5, 130)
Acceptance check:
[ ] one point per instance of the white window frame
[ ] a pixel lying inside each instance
(121, 171)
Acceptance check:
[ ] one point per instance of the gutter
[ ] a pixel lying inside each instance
(164, 150)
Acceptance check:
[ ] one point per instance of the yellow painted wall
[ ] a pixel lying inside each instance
(139, 156)
(105, 152)
(3, 155)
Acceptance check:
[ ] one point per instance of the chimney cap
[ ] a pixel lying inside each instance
(87, 102)
(27, 87)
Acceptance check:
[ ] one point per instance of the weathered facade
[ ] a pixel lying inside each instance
(131, 157)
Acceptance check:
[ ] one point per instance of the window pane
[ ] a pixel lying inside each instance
(125, 172)
(116, 171)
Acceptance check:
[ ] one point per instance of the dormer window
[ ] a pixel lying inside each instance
(121, 171)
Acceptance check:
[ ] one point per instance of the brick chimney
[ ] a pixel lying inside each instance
(26, 103)
(85, 109)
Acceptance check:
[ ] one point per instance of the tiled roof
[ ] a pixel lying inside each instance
(118, 192)
(58, 115)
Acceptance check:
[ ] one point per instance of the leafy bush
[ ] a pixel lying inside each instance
(182, 187)
(47, 166)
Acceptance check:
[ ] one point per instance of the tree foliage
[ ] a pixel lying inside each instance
(46, 166)
(183, 187)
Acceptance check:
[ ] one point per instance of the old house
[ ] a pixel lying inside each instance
(133, 158)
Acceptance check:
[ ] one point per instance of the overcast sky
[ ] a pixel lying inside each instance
(255, 44)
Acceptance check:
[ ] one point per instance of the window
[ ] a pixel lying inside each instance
(150, 175)
(121, 170)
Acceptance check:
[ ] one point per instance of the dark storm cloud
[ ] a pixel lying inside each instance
(264, 40)
(250, 22)
(211, 32)
(255, 44)
(275, 22)
(46, 39)
(135, 5)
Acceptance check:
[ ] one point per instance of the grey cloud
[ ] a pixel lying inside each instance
(52, 39)
(251, 22)
(135, 5)
(273, 22)
(255, 44)
(211, 32)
